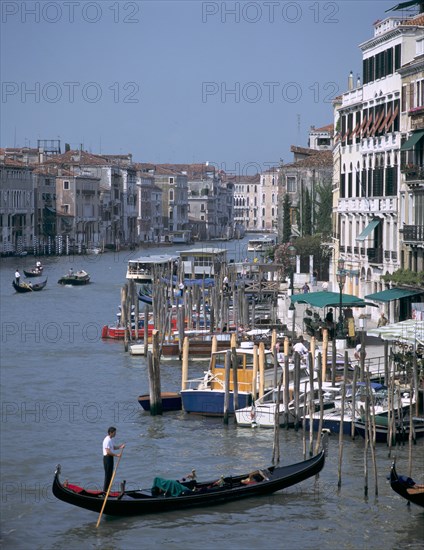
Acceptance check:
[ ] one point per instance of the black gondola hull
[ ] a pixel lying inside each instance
(25, 287)
(35, 272)
(133, 503)
(401, 486)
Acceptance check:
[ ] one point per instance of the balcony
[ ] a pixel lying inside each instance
(413, 233)
(413, 173)
(416, 111)
(375, 255)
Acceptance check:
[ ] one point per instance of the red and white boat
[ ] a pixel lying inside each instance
(118, 332)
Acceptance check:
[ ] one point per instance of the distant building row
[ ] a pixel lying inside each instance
(107, 200)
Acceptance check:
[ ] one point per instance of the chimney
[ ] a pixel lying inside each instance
(350, 81)
(358, 81)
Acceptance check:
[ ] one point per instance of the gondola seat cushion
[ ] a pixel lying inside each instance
(169, 487)
(409, 482)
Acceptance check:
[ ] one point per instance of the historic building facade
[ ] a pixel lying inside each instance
(370, 134)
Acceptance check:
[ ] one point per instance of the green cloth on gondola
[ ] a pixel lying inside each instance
(169, 487)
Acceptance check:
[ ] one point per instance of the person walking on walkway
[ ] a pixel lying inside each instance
(383, 321)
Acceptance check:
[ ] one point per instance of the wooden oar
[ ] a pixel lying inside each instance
(110, 487)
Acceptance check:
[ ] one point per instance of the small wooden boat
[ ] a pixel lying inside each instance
(188, 494)
(171, 401)
(79, 278)
(406, 487)
(29, 287)
(34, 272)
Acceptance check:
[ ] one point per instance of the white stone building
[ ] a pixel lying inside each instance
(368, 122)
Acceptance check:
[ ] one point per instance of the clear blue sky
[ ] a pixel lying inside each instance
(232, 83)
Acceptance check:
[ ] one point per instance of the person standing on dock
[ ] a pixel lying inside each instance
(383, 321)
(225, 284)
(108, 454)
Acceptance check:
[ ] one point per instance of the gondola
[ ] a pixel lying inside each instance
(33, 272)
(191, 494)
(75, 279)
(406, 487)
(29, 287)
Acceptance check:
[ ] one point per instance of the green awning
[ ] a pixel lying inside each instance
(404, 5)
(370, 227)
(392, 294)
(412, 140)
(326, 299)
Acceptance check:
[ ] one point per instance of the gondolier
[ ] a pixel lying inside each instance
(108, 454)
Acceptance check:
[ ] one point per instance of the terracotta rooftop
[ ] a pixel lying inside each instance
(226, 178)
(194, 171)
(7, 161)
(329, 128)
(78, 158)
(49, 170)
(418, 20)
(320, 159)
(303, 150)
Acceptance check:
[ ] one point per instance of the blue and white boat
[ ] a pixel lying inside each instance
(206, 395)
(333, 419)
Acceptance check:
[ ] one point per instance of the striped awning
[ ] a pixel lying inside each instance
(386, 120)
(367, 127)
(377, 122)
(394, 115)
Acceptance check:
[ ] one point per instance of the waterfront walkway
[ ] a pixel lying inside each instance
(374, 346)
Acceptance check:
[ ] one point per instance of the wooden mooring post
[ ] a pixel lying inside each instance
(154, 376)
(227, 386)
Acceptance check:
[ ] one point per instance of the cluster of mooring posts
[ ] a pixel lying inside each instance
(231, 307)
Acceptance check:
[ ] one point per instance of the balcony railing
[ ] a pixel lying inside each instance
(375, 255)
(416, 111)
(413, 172)
(413, 233)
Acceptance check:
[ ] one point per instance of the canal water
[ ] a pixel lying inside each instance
(62, 386)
